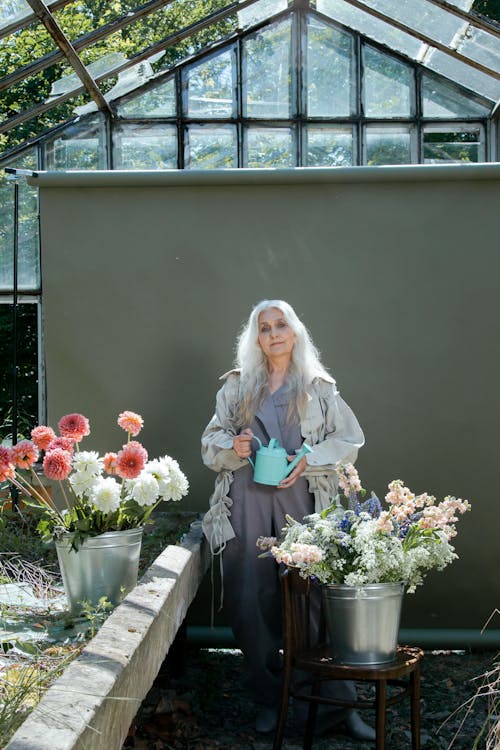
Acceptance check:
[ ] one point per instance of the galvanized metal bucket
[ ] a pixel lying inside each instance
(104, 565)
(363, 621)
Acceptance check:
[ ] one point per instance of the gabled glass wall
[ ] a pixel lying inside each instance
(300, 91)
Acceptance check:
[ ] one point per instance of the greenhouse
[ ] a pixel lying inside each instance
(166, 165)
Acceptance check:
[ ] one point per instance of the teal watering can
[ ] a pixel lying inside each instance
(271, 463)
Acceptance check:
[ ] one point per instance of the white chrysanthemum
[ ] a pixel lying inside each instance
(105, 494)
(88, 462)
(145, 489)
(172, 483)
(82, 482)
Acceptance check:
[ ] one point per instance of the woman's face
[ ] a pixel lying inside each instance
(276, 338)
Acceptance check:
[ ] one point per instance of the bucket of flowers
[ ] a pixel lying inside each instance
(364, 557)
(107, 501)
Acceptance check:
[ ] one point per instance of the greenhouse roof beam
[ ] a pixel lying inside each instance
(82, 42)
(31, 18)
(169, 41)
(64, 44)
(424, 38)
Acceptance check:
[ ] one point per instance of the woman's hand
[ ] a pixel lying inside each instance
(242, 443)
(295, 474)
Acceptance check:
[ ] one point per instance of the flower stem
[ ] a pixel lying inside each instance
(64, 495)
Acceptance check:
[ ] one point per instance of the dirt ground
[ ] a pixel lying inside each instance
(205, 708)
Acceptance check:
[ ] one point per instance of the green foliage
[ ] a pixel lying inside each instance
(95, 613)
(27, 380)
(18, 536)
(489, 8)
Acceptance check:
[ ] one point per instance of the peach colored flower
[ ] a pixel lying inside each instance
(65, 443)
(6, 467)
(24, 454)
(110, 463)
(57, 464)
(42, 436)
(130, 461)
(131, 422)
(74, 426)
(140, 447)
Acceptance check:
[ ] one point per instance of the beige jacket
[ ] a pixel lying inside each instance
(328, 425)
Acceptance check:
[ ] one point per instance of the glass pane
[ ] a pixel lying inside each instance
(387, 145)
(329, 147)
(441, 99)
(27, 368)
(28, 239)
(422, 16)
(372, 27)
(211, 147)
(98, 68)
(259, 11)
(211, 87)
(461, 73)
(481, 46)
(269, 147)
(329, 72)
(80, 146)
(145, 147)
(266, 72)
(156, 102)
(388, 85)
(13, 10)
(453, 145)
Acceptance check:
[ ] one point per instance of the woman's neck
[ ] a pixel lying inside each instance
(278, 371)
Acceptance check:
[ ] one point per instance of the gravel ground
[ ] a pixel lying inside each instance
(205, 708)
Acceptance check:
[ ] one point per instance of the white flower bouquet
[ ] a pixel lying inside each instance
(115, 492)
(364, 544)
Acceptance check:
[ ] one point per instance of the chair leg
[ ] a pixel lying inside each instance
(285, 693)
(381, 702)
(415, 708)
(310, 725)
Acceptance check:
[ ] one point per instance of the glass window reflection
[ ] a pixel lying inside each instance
(267, 75)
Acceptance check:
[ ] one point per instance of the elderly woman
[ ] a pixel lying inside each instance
(279, 390)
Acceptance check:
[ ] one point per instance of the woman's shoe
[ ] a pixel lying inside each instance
(266, 719)
(357, 728)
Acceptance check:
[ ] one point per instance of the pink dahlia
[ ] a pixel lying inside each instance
(24, 454)
(42, 436)
(6, 467)
(131, 422)
(140, 447)
(65, 443)
(130, 461)
(57, 464)
(74, 426)
(110, 463)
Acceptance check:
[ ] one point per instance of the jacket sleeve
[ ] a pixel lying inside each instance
(339, 437)
(217, 439)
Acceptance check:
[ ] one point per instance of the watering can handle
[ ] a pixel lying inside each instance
(260, 445)
(305, 449)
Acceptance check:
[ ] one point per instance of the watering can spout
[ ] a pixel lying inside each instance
(305, 449)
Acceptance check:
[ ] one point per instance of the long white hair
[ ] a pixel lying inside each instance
(305, 363)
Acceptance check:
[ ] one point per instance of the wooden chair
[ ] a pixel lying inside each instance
(301, 653)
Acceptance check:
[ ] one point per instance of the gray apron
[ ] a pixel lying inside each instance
(251, 583)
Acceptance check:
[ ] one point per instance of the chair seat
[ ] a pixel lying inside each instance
(318, 658)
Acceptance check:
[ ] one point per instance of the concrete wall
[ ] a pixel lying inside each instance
(147, 278)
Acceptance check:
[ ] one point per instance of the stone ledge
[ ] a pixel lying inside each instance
(91, 706)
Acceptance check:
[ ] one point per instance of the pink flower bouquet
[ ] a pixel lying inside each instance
(363, 543)
(112, 493)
